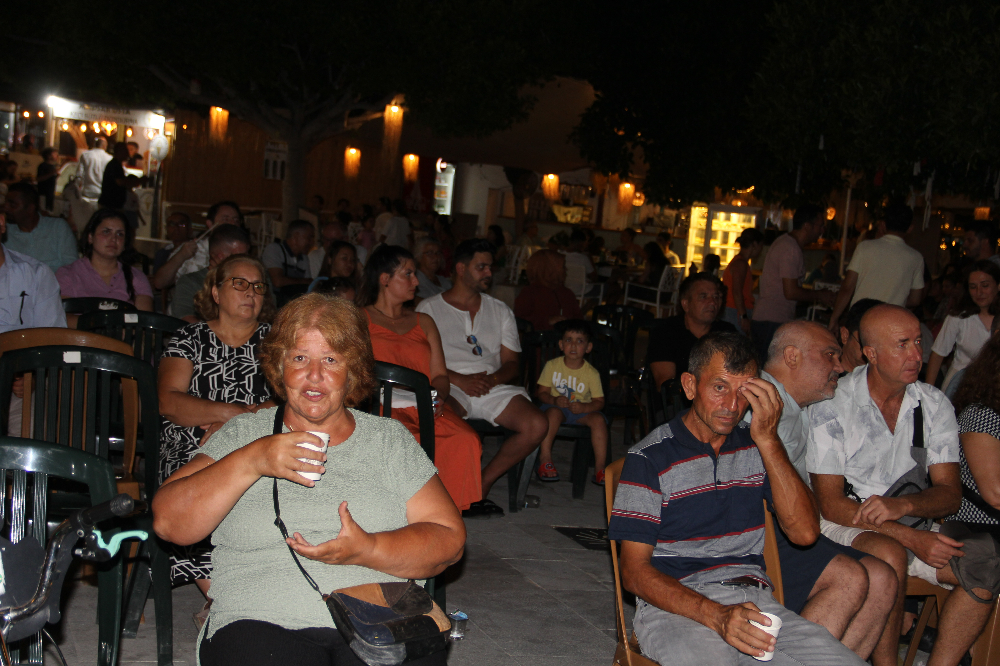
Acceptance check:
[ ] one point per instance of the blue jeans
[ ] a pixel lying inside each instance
(673, 640)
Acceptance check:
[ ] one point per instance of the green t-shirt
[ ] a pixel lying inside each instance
(580, 385)
(376, 470)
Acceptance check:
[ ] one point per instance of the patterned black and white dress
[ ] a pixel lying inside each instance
(975, 418)
(223, 374)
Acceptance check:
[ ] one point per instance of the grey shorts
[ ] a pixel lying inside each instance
(674, 640)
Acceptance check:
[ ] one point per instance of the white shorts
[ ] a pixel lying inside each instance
(845, 536)
(488, 407)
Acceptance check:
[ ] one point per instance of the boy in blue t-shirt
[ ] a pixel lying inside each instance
(570, 391)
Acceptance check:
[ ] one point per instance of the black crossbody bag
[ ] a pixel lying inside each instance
(914, 481)
(385, 624)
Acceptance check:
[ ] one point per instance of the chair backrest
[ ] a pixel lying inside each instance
(25, 468)
(144, 332)
(669, 278)
(628, 650)
(576, 278)
(626, 319)
(74, 399)
(84, 304)
(40, 337)
(390, 375)
(517, 257)
(539, 347)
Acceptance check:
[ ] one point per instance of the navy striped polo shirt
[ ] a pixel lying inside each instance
(702, 513)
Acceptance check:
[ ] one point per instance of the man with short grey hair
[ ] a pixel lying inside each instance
(225, 242)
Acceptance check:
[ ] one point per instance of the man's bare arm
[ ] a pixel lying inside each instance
(732, 623)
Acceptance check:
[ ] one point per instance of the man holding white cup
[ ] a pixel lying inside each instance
(689, 515)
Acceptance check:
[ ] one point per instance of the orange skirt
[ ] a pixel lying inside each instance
(458, 453)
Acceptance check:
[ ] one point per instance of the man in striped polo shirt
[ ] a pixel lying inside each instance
(690, 517)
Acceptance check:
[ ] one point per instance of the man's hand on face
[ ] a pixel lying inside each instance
(766, 405)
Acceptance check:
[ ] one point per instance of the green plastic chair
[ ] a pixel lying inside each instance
(146, 332)
(83, 304)
(75, 393)
(627, 320)
(25, 468)
(391, 376)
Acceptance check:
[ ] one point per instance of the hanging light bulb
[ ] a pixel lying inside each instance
(65, 127)
(550, 186)
(352, 162)
(411, 166)
(83, 127)
(128, 132)
(626, 194)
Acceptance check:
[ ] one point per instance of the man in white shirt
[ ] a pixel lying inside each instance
(481, 347)
(886, 268)
(865, 436)
(845, 590)
(90, 172)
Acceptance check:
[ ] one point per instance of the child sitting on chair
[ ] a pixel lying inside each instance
(571, 393)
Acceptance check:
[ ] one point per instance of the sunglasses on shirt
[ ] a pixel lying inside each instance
(476, 349)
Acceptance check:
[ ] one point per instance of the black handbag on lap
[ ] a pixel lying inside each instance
(385, 624)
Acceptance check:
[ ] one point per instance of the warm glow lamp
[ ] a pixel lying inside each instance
(626, 194)
(411, 165)
(352, 162)
(550, 186)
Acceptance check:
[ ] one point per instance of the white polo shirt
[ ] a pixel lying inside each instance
(848, 434)
(494, 326)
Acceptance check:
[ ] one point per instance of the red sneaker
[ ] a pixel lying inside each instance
(547, 472)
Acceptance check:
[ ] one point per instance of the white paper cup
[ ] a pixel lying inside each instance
(314, 476)
(773, 630)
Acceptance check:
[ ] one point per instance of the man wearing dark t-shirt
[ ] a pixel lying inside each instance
(670, 343)
(113, 190)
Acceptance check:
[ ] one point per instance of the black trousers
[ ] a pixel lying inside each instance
(255, 643)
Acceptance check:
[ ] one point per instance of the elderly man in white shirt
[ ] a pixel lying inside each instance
(864, 436)
(479, 337)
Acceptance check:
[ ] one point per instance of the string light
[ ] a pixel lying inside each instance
(65, 127)
(41, 114)
(83, 127)
(128, 132)
(26, 114)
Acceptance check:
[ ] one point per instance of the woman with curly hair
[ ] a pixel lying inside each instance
(373, 511)
(209, 373)
(967, 330)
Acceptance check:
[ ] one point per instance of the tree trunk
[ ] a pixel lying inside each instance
(293, 187)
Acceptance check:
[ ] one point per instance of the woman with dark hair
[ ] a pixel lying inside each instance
(546, 300)
(401, 336)
(210, 373)
(341, 261)
(977, 402)
(375, 512)
(105, 240)
(966, 331)
(656, 261)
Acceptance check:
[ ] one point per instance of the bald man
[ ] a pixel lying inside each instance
(845, 590)
(865, 436)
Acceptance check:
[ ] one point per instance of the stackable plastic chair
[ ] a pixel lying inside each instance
(84, 304)
(25, 469)
(144, 332)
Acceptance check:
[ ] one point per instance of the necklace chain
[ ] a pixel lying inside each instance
(385, 315)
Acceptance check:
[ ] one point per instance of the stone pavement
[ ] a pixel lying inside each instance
(530, 592)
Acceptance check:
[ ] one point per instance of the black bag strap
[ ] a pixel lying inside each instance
(918, 426)
(976, 500)
(279, 419)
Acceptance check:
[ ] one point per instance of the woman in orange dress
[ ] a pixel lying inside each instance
(402, 336)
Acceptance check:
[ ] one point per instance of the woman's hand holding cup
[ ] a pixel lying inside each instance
(281, 457)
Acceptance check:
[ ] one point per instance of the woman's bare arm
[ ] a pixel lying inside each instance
(439, 373)
(177, 406)
(982, 452)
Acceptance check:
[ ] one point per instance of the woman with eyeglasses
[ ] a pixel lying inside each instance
(105, 240)
(208, 374)
(401, 336)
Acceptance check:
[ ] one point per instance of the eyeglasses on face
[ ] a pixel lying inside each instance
(239, 284)
(476, 349)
